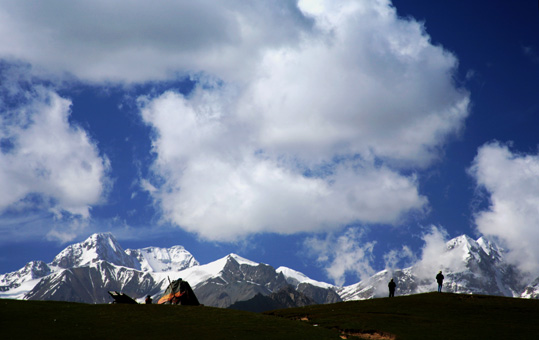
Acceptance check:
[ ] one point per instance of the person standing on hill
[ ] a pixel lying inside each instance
(392, 285)
(440, 279)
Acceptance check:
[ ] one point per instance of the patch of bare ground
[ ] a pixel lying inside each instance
(367, 335)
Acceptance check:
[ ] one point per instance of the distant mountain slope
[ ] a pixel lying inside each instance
(286, 297)
(320, 292)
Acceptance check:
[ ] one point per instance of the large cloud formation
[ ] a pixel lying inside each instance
(307, 115)
(220, 182)
(512, 183)
(317, 137)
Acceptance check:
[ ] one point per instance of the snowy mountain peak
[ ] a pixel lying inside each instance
(490, 248)
(36, 269)
(154, 259)
(31, 271)
(216, 267)
(463, 241)
(241, 260)
(97, 247)
(294, 278)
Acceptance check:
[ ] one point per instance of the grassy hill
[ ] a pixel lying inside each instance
(66, 320)
(423, 316)
(427, 316)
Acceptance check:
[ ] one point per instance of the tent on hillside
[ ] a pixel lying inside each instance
(179, 292)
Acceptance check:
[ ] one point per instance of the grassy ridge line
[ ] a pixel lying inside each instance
(429, 316)
(65, 320)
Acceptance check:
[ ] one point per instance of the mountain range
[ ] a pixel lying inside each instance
(86, 271)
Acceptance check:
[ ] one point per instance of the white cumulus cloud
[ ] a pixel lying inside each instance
(219, 183)
(511, 180)
(368, 83)
(307, 115)
(317, 136)
(46, 161)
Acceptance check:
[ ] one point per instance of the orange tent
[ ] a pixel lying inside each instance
(179, 292)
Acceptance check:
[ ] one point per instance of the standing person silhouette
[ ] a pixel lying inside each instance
(392, 286)
(440, 279)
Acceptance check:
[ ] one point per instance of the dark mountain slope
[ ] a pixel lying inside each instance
(287, 297)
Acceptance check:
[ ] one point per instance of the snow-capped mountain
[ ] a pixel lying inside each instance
(86, 271)
(98, 247)
(16, 284)
(296, 278)
(531, 291)
(469, 266)
(230, 279)
(91, 283)
(320, 292)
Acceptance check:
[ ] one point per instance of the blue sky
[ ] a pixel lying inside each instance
(337, 138)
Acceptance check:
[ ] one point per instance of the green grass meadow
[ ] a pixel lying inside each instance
(422, 316)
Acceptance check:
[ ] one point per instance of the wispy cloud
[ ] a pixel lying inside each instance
(531, 53)
(347, 254)
(399, 258)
